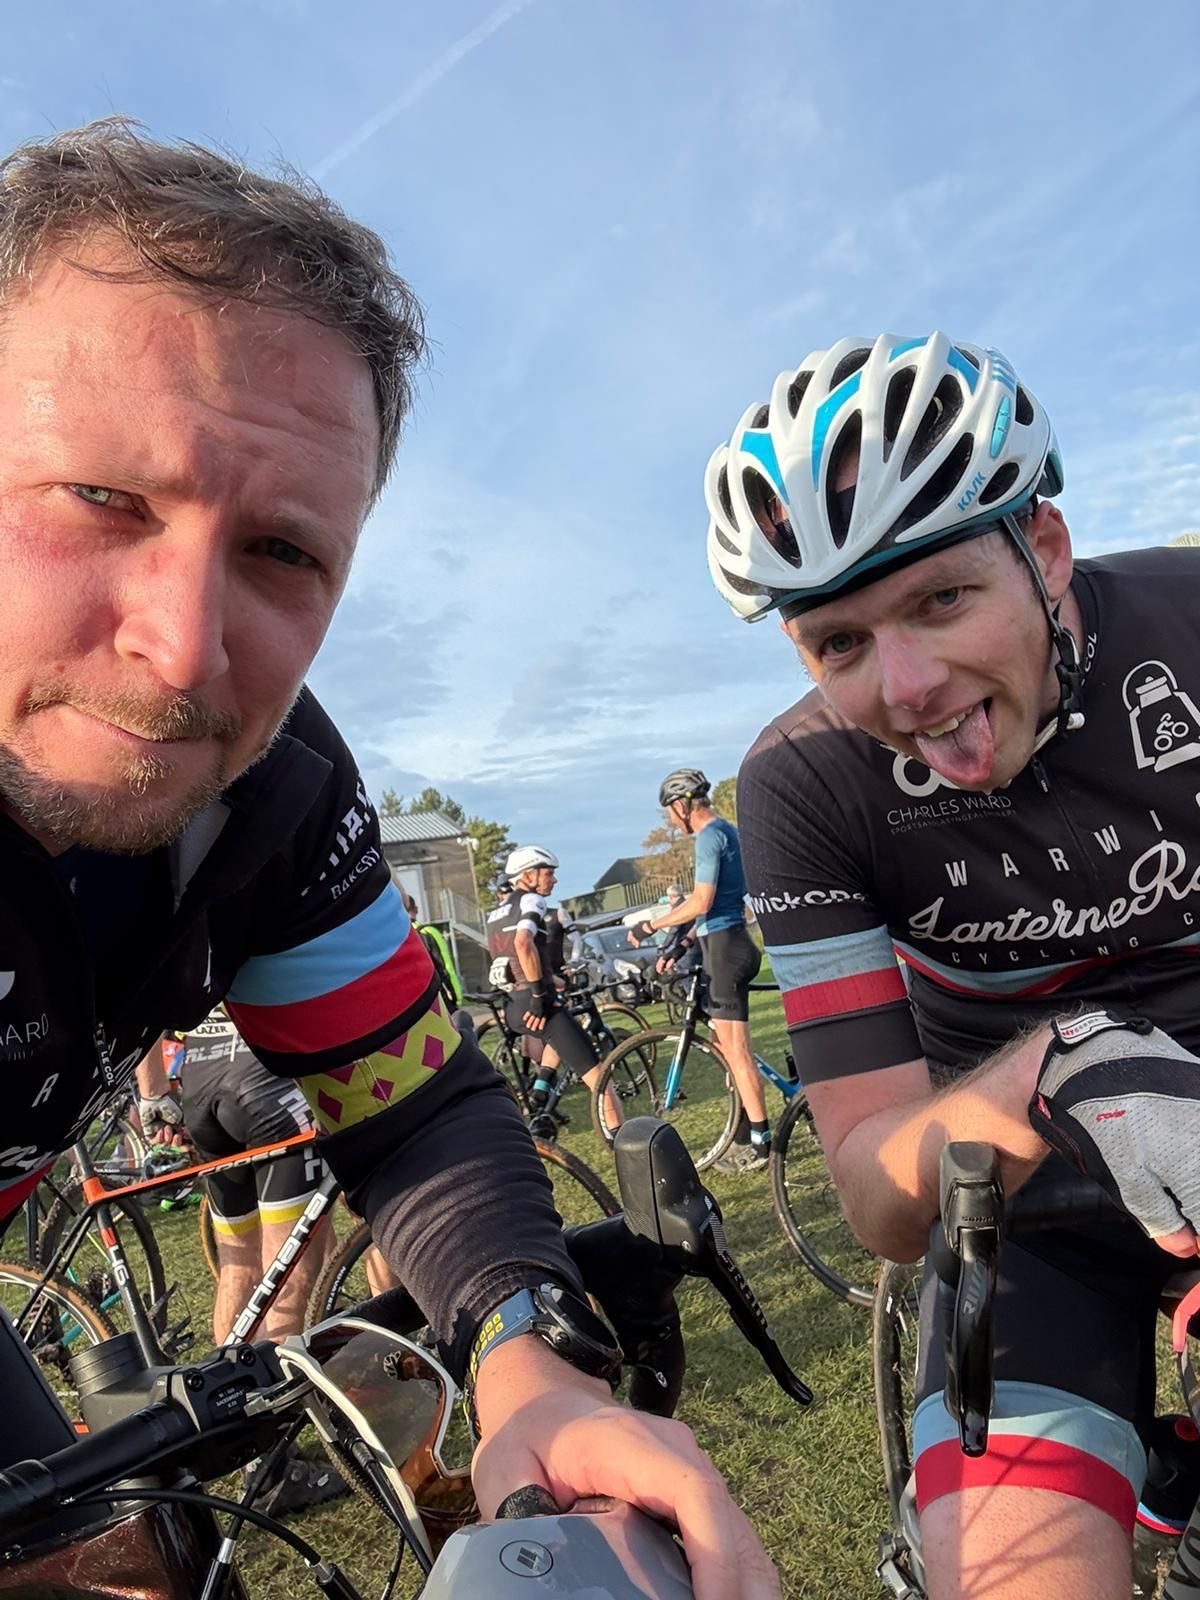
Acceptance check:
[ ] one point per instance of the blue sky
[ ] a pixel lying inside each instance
(624, 218)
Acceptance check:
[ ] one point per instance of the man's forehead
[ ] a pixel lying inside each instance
(876, 600)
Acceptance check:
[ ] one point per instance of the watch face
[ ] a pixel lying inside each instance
(577, 1314)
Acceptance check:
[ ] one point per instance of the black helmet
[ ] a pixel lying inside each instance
(688, 783)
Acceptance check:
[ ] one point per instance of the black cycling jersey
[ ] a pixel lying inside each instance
(520, 909)
(277, 899)
(1079, 882)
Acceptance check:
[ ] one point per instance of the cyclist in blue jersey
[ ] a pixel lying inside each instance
(731, 957)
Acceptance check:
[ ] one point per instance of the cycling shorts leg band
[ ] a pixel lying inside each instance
(1040, 1438)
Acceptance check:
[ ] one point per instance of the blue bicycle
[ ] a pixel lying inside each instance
(677, 1073)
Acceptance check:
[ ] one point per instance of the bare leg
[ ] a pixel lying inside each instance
(286, 1313)
(733, 1041)
(239, 1258)
(1013, 1544)
(612, 1105)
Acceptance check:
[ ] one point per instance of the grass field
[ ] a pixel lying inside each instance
(809, 1480)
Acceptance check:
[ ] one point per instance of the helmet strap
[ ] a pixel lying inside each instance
(1067, 669)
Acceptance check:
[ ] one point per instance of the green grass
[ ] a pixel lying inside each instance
(809, 1480)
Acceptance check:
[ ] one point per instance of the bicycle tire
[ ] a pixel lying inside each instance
(49, 1335)
(129, 1166)
(610, 1010)
(208, 1240)
(808, 1211)
(494, 1043)
(892, 1306)
(342, 1282)
(97, 1282)
(705, 1115)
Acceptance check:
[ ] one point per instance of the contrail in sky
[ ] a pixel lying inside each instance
(420, 86)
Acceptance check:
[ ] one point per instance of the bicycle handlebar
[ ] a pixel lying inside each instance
(214, 1415)
(199, 1411)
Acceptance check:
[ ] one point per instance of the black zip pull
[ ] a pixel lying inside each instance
(104, 1056)
(1039, 773)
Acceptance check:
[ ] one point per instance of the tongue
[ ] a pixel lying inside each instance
(964, 757)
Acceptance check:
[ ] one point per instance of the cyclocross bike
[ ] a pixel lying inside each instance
(975, 1219)
(607, 1023)
(100, 1271)
(674, 1073)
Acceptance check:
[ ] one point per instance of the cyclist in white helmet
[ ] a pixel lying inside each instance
(939, 792)
(518, 934)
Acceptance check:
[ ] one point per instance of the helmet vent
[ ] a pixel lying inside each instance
(723, 495)
(757, 590)
(847, 365)
(940, 416)
(761, 417)
(843, 469)
(1000, 483)
(1024, 408)
(967, 356)
(770, 515)
(796, 391)
(894, 406)
(944, 482)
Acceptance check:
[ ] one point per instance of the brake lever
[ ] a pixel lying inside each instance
(972, 1212)
(635, 1285)
(665, 1202)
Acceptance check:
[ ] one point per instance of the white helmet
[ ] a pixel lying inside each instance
(526, 856)
(946, 441)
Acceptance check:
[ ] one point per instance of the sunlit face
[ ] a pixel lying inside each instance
(948, 660)
(181, 490)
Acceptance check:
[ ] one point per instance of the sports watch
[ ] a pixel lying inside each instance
(562, 1320)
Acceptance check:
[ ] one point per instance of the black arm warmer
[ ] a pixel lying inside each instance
(457, 1198)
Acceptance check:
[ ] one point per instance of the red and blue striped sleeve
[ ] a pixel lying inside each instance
(843, 990)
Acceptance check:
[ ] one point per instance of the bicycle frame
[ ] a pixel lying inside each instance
(96, 1196)
(693, 1011)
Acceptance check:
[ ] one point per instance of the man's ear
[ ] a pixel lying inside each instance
(1050, 540)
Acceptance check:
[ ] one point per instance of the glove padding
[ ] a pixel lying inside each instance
(1120, 1100)
(160, 1111)
(541, 1003)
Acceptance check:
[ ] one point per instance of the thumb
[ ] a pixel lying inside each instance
(1147, 1197)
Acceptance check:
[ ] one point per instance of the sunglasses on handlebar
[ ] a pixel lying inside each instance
(382, 1406)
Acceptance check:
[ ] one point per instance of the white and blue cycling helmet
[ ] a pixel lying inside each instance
(944, 442)
(945, 437)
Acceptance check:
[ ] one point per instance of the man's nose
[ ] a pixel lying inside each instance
(910, 673)
(173, 611)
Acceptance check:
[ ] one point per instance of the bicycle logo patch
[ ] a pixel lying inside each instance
(1163, 718)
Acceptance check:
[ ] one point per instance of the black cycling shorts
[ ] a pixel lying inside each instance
(1075, 1318)
(562, 1033)
(229, 1107)
(731, 960)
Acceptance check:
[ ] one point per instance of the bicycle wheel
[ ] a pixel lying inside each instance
(807, 1206)
(57, 1326)
(352, 1273)
(208, 1240)
(894, 1318)
(622, 1021)
(494, 1043)
(707, 1106)
(118, 1150)
(89, 1267)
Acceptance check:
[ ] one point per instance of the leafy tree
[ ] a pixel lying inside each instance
(493, 847)
(391, 804)
(667, 852)
(724, 799)
(431, 799)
